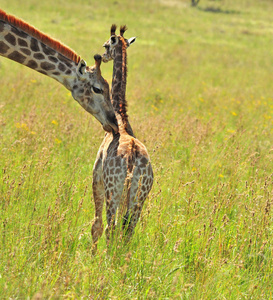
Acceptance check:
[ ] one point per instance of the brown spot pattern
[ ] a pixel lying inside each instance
(53, 59)
(22, 42)
(32, 64)
(34, 45)
(25, 51)
(39, 56)
(61, 67)
(11, 39)
(64, 60)
(3, 48)
(47, 66)
(16, 56)
(47, 50)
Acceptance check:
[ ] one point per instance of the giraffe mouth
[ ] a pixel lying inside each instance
(106, 58)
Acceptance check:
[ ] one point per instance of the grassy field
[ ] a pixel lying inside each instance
(200, 97)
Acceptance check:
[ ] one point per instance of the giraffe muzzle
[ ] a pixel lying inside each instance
(112, 123)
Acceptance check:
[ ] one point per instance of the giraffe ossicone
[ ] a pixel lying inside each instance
(122, 173)
(28, 46)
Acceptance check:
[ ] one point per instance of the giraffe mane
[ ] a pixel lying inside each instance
(27, 28)
(123, 105)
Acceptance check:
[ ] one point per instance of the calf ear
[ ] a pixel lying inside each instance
(131, 40)
(81, 68)
(113, 41)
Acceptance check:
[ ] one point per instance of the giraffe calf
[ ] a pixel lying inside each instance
(122, 172)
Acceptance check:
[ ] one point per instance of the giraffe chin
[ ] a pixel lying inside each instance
(110, 128)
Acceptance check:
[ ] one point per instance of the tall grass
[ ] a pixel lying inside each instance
(200, 98)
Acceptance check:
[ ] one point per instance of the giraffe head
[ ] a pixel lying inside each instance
(91, 90)
(115, 42)
(26, 45)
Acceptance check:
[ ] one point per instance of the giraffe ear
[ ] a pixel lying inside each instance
(81, 68)
(113, 41)
(131, 40)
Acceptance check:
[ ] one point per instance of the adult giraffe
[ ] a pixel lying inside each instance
(28, 46)
(122, 172)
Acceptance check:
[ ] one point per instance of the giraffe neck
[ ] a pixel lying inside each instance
(26, 45)
(118, 91)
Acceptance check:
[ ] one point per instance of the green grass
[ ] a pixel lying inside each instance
(200, 98)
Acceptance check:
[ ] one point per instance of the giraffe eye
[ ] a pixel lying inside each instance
(97, 90)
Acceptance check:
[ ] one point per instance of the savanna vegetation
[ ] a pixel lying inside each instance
(200, 97)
